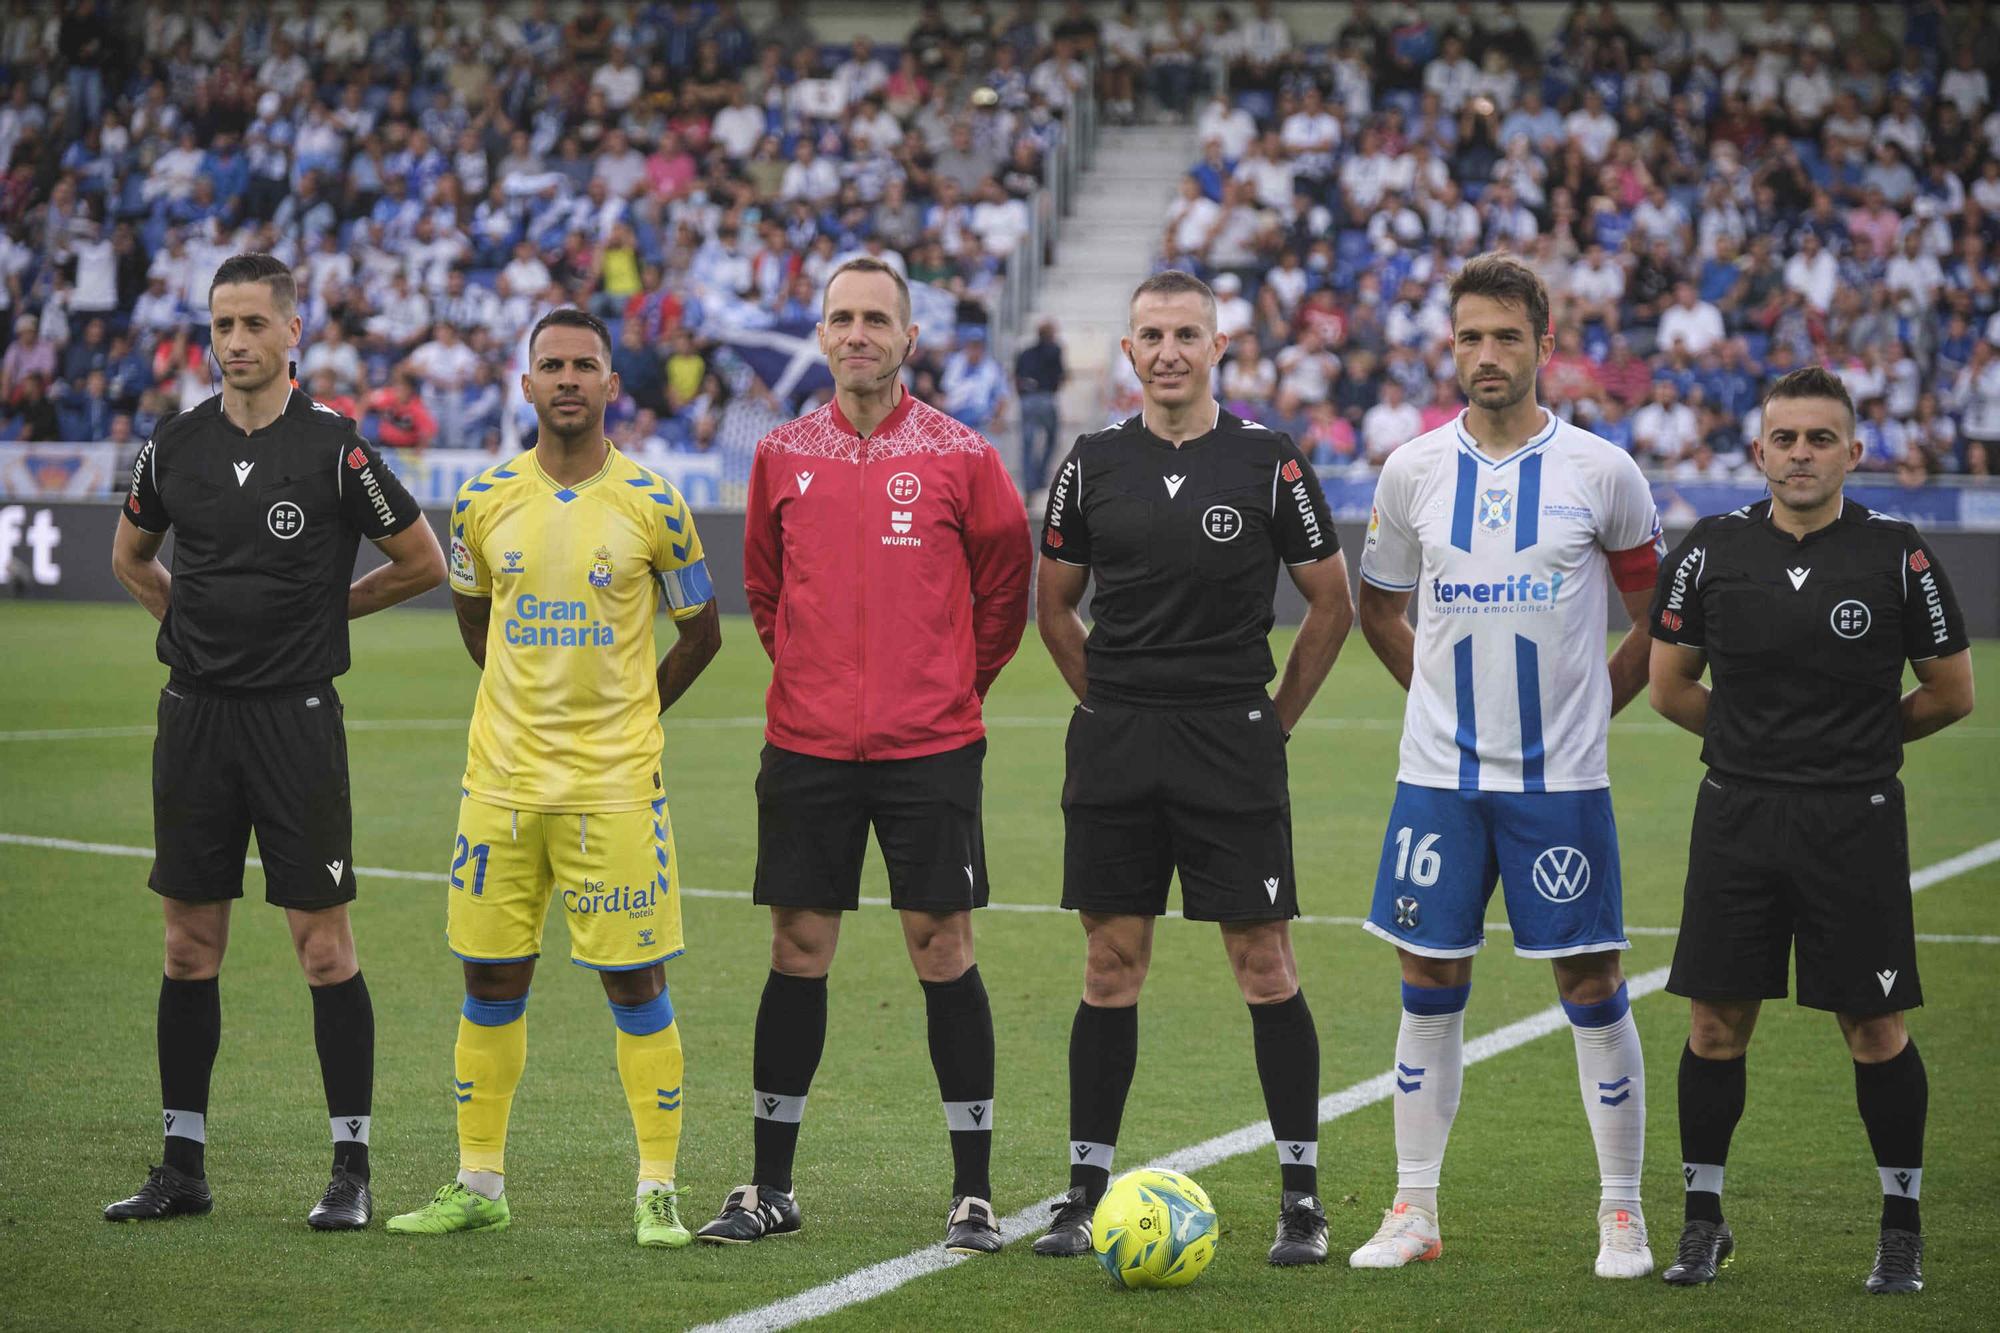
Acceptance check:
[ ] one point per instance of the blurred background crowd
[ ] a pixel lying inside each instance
(1714, 193)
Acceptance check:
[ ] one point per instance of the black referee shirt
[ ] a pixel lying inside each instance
(1806, 640)
(266, 524)
(1184, 546)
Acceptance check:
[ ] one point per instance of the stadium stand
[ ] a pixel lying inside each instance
(439, 179)
(1714, 194)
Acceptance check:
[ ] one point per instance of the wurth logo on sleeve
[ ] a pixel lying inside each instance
(1919, 562)
(1291, 470)
(356, 458)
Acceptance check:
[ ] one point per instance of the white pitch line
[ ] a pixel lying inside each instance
(1382, 724)
(879, 1279)
(866, 1284)
(1919, 881)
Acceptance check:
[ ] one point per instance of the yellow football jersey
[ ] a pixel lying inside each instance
(567, 718)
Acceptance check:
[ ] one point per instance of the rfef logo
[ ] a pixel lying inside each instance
(905, 487)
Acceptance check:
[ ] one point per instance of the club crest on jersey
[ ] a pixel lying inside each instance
(600, 567)
(1221, 523)
(1496, 509)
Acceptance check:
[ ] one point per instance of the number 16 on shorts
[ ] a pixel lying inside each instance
(1556, 852)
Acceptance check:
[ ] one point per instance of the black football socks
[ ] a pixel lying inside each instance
(189, 1032)
(1103, 1052)
(791, 1034)
(1288, 1067)
(1894, 1097)
(961, 1036)
(1711, 1102)
(344, 1032)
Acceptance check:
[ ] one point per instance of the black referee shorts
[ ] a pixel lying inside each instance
(1827, 866)
(1204, 792)
(813, 817)
(223, 766)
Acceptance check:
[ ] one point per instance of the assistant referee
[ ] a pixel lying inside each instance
(268, 495)
(1804, 608)
(1175, 759)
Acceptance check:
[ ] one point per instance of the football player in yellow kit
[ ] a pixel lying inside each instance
(558, 558)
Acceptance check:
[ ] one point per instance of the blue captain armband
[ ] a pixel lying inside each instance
(688, 588)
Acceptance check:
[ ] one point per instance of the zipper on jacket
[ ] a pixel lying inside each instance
(861, 608)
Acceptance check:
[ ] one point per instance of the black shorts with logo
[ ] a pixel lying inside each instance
(1150, 791)
(813, 817)
(224, 765)
(1827, 866)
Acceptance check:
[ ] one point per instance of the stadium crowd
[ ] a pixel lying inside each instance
(439, 179)
(1715, 195)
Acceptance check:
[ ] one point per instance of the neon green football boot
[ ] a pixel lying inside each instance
(454, 1208)
(656, 1217)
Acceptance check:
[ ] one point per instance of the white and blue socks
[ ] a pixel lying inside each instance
(1611, 1070)
(1429, 1073)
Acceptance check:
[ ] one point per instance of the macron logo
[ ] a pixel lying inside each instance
(1798, 577)
(1888, 979)
(1271, 887)
(805, 481)
(334, 868)
(242, 472)
(1174, 485)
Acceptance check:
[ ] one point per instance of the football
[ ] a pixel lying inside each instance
(1154, 1229)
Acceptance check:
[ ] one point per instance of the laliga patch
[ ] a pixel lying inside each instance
(600, 567)
(461, 561)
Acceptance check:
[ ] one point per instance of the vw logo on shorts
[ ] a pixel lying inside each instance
(1850, 619)
(905, 487)
(286, 520)
(1221, 523)
(1562, 874)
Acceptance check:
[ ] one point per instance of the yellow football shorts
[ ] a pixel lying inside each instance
(615, 872)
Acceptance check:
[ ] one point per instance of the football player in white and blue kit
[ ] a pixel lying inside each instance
(1507, 525)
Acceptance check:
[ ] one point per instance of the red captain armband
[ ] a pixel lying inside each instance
(1637, 569)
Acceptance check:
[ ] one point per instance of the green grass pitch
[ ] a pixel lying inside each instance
(79, 964)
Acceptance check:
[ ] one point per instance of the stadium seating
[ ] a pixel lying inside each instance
(665, 166)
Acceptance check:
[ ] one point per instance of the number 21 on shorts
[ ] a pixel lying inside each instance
(1420, 866)
(477, 854)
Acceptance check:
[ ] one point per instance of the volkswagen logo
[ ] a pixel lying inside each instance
(1562, 874)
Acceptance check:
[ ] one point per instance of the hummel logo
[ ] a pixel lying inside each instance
(1174, 485)
(334, 868)
(354, 1126)
(1798, 577)
(1903, 1181)
(1887, 978)
(978, 1113)
(805, 480)
(1271, 887)
(242, 471)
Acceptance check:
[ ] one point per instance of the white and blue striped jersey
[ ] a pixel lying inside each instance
(1508, 559)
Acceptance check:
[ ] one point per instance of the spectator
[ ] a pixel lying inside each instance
(1665, 430)
(974, 387)
(400, 418)
(1690, 322)
(1389, 424)
(1039, 376)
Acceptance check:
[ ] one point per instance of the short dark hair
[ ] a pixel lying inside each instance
(1175, 282)
(1808, 382)
(1503, 278)
(270, 271)
(870, 264)
(569, 317)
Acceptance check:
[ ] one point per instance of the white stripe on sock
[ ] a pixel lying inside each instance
(968, 1115)
(349, 1128)
(1902, 1182)
(1702, 1178)
(776, 1106)
(1294, 1152)
(185, 1125)
(1090, 1154)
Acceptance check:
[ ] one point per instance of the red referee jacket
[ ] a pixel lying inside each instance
(888, 578)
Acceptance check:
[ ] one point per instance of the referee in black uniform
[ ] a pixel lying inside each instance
(268, 494)
(1176, 755)
(1804, 608)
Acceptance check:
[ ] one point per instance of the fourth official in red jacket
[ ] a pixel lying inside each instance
(886, 559)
